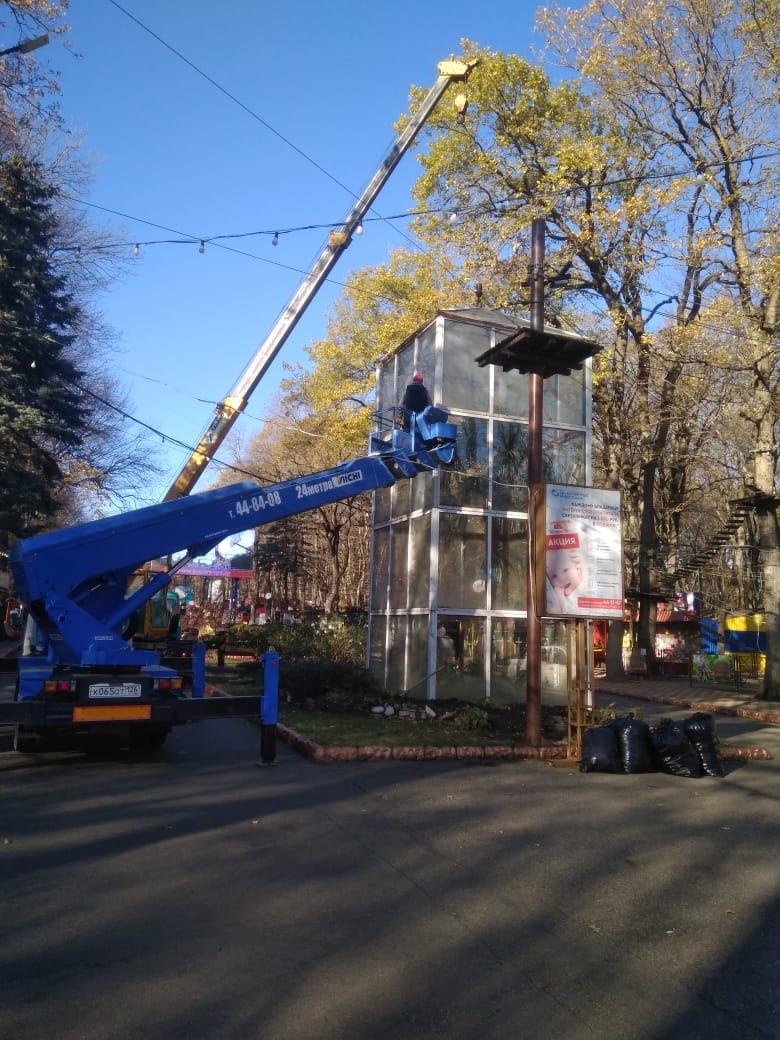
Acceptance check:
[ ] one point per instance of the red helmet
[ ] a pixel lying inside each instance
(417, 377)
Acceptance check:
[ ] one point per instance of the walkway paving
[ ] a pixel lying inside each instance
(679, 693)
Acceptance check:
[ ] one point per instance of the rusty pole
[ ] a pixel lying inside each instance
(533, 700)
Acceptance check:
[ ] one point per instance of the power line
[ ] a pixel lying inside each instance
(189, 448)
(221, 245)
(249, 111)
(205, 400)
(190, 239)
(455, 213)
(699, 323)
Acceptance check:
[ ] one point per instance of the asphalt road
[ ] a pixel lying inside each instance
(195, 895)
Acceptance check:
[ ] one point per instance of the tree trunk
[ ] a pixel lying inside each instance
(614, 654)
(647, 583)
(769, 539)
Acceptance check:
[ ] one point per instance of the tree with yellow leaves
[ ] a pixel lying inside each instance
(528, 148)
(699, 82)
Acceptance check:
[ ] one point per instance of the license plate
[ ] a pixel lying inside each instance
(109, 691)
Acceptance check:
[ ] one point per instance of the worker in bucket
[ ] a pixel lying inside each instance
(416, 397)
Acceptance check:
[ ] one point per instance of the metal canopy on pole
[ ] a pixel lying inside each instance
(540, 352)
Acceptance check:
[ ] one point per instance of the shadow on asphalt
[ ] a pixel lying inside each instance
(396, 900)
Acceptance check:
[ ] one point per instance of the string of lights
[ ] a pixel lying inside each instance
(220, 240)
(275, 234)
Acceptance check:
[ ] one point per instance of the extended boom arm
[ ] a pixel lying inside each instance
(228, 410)
(74, 581)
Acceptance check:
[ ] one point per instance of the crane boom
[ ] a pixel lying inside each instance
(231, 406)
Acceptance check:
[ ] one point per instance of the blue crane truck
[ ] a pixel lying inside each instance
(80, 674)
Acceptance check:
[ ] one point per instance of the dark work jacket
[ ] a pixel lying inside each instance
(416, 397)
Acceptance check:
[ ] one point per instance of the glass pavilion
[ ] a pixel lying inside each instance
(450, 548)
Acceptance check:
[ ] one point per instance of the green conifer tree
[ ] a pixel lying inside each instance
(42, 411)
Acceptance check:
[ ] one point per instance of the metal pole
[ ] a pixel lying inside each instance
(26, 46)
(533, 698)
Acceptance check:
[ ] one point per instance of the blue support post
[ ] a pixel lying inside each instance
(198, 669)
(269, 710)
(269, 707)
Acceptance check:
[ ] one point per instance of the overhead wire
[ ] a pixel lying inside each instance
(189, 448)
(249, 111)
(205, 400)
(277, 232)
(218, 240)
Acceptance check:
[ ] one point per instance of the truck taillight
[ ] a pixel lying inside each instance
(59, 686)
(167, 684)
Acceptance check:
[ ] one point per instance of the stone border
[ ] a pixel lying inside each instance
(373, 752)
(731, 752)
(324, 755)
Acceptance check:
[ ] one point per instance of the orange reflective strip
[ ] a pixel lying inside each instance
(114, 713)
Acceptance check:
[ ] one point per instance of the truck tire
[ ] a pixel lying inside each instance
(267, 744)
(26, 743)
(149, 737)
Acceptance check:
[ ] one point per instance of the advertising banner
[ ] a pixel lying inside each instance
(579, 557)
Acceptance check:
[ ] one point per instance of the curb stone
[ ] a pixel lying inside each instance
(372, 752)
(324, 755)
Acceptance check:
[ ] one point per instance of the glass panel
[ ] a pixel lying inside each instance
(376, 660)
(401, 497)
(550, 399)
(571, 398)
(460, 658)
(464, 483)
(385, 388)
(554, 662)
(508, 661)
(380, 569)
(398, 565)
(509, 566)
(510, 466)
(466, 385)
(404, 372)
(420, 576)
(426, 357)
(418, 654)
(381, 505)
(158, 609)
(421, 491)
(510, 394)
(396, 653)
(563, 456)
(462, 561)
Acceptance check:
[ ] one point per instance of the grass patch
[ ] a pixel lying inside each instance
(334, 728)
(340, 726)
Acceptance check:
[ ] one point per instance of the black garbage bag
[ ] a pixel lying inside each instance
(675, 753)
(600, 751)
(636, 751)
(700, 730)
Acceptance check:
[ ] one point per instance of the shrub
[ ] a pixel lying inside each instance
(471, 717)
(336, 686)
(337, 643)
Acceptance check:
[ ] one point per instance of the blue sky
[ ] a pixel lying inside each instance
(166, 146)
